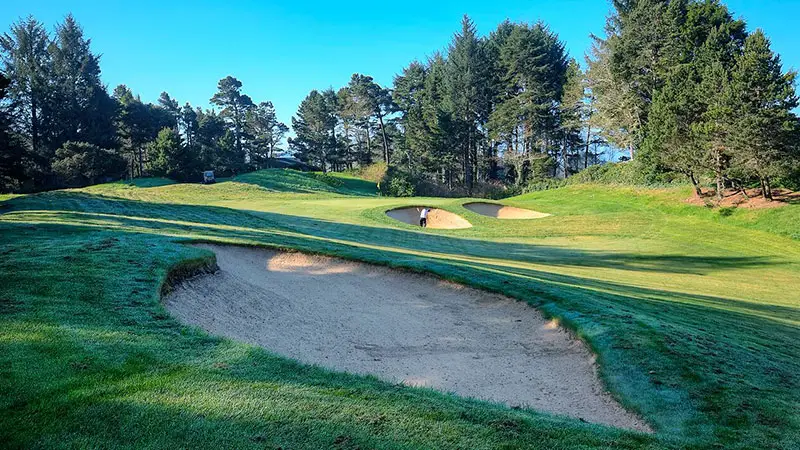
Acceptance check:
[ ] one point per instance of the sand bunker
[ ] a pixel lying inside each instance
(401, 327)
(502, 211)
(437, 218)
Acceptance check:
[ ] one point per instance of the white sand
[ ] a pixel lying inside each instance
(398, 326)
(502, 211)
(437, 218)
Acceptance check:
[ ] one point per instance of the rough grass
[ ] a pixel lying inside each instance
(695, 317)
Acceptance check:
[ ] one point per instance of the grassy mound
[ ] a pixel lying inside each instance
(293, 181)
(693, 314)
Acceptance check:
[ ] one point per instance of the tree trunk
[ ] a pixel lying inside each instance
(586, 150)
(718, 173)
(141, 161)
(698, 192)
(766, 188)
(347, 148)
(34, 126)
(468, 164)
(369, 145)
(385, 142)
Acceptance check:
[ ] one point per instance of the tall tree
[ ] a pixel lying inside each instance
(468, 94)
(234, 106)
(171, 106)
(139, 123)
(26, 62)
(267, 130)
(314, 125)
(12, 152)
(764, 124)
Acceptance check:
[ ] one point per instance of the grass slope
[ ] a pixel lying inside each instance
(695, 317)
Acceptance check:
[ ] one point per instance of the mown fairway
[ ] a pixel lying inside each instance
(694, 314)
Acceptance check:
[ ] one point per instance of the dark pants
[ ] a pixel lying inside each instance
(423, 222)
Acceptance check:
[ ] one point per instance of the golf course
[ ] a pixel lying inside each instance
(687, 317)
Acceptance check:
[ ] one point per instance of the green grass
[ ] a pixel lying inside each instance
(293, 181)
(694, 315)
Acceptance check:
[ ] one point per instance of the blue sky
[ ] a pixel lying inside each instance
(282, 50)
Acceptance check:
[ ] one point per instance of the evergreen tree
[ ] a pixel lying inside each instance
(26, 62)
(268, 132)
(170, 105)
(138, 123)
(12, 153)
(468, 95)
(314, 127)
(81, 109)
(764, 125)
(81, 163)
(234, 106)
(169, 158)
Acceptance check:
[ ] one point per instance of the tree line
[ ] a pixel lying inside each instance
(680, 85)
(59, 126)
(687, 89)
(513, 100)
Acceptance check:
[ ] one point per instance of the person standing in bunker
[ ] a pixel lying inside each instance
(423, 217)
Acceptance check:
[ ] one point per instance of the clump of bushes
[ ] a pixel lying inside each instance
(628, 173)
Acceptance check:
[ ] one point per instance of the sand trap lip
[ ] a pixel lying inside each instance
(401, 327)
(437, 218)
(499, 211)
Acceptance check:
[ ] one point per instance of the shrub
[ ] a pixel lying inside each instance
(401, 186)
(628, 173)
(81, 163)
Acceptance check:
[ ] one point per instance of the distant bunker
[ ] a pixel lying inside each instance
(502, 211)
(404, 328)
(437, 218)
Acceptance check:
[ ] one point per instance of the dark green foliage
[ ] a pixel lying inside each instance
(12, 170)
(488, 102)
(54, 95)
(314, 126)
(267, 132)
(170, 158)
(235, 106)
(625, 173)
(764, 127)
(81, 163)
(683, 86)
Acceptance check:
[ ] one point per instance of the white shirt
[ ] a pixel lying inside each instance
(424, 213)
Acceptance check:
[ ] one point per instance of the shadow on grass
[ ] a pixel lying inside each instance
(79, 207)
(695, 365)
(293, 181)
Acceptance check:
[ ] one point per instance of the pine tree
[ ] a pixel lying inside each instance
(26, 62)
(468, 95)
(765, 123)
(314, 124)
(81, 109)
(268, 132)
(234, 106)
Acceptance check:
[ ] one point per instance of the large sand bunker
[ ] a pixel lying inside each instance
(503, 212)
(401, 327)
(437, 218)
